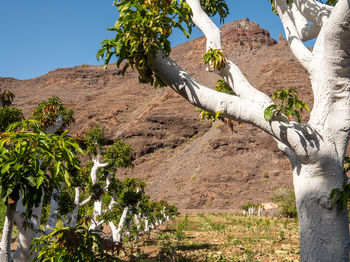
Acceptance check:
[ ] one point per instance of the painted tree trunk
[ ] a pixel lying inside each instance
(97, 212)
(117, 232)
(26, 234)
(52, 220)
(323, 228)
(97, 203)
(5, 245)
(74, 215)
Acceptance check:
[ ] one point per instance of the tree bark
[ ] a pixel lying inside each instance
(52, 220)
(5, 245)
(323, 228)
(117, 232)
(26, 234)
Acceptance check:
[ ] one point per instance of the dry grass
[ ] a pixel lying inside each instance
(219, 237)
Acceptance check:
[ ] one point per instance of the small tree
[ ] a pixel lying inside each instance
(53, 117)
(31, 161)
(76, 244)
(8, 114)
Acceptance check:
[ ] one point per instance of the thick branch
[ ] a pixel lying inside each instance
(298, 48)
(314, 11)
(240, 85)
(305, 30)
(300, 138)
(232, 75)
(205, 24)
(337, 41)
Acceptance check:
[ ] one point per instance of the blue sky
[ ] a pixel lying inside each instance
(42, 35)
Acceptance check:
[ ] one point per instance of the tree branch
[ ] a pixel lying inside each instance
(241, 86)
(305, 30)
(298, 48)
(300, 138)
(205, 24)
(87, 200)
(232, 74)
(314, 11)
(337, 41)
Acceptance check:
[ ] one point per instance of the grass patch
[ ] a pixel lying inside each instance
(220, 237)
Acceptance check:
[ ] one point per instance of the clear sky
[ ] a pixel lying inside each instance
(42, 35)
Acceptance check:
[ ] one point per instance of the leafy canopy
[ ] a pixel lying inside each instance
(93, 140)
(8, 114)
(290, 105)
(32, 162)
(76, 244)
(143, 28)
(6, 98)
(48, 112)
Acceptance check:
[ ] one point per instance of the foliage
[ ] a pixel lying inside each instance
(285, 199)
(119, 155)
(203, 114)
(143, 28)
(215, 59)
(341, 196)
(290, 105)
(2, 214)
(48, 112)
(9, 115)
(224, 87)
(65, 202)
(331, 2)
(93, 140)
(31, 161)
(6, 98)
(215, 7)
(71, 244)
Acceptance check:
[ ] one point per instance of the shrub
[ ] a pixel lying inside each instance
(285, 199)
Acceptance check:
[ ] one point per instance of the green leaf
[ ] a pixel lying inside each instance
(66, 178)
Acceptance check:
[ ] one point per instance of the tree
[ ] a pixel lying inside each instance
(31, 162)
(316, 149)
(121, 204)
(52, 117)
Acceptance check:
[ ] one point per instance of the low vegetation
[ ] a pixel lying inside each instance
(218, 237)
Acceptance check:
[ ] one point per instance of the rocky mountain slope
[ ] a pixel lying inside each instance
(196, 165)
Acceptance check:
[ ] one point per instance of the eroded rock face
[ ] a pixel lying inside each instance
(193, 164)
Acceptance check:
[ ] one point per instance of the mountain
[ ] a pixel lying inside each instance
(196, 165)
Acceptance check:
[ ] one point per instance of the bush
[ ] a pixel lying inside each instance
(71, 244)
(285, 199)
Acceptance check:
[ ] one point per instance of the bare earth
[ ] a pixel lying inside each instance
(195, 165)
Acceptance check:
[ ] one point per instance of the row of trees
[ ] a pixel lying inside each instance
(42, 181)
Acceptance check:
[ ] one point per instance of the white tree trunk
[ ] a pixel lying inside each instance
(5, 245)
(117, 232)
(53, 217)
(26, 234)
(98, 203)
(74, 215)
